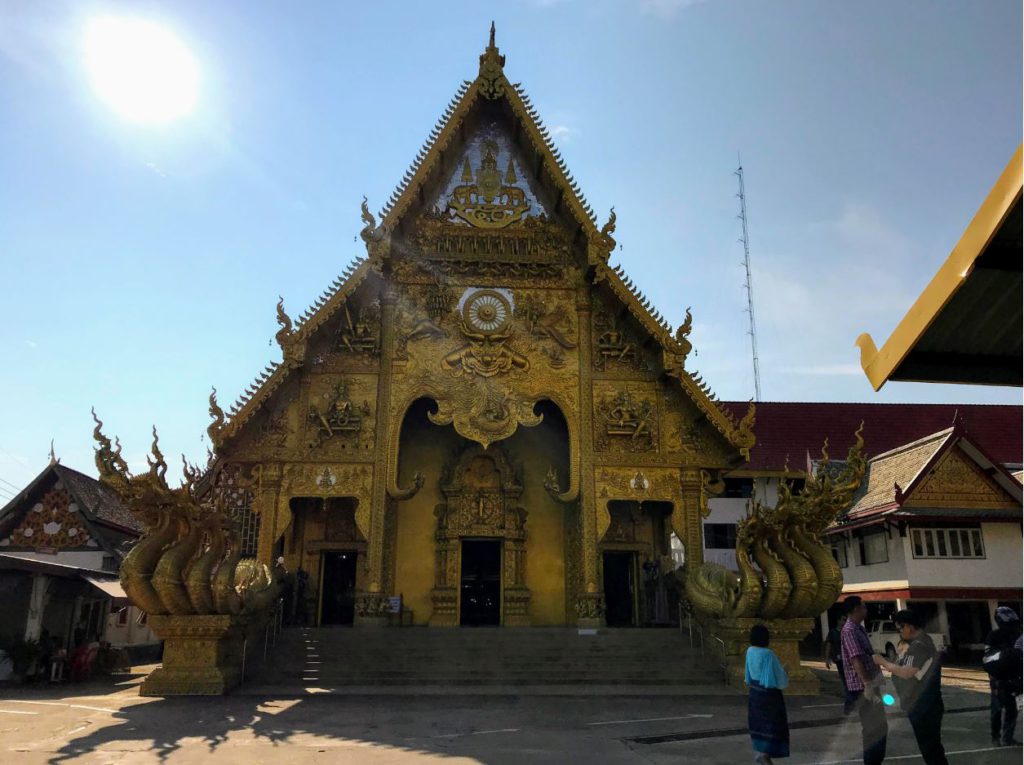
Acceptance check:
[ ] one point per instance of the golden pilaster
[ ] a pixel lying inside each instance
(371, 605)
(590, 602)
(688, 516)
(266, 495)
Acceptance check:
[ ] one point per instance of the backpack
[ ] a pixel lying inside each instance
(1002, 662)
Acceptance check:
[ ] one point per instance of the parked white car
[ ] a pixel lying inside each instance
(884, 637)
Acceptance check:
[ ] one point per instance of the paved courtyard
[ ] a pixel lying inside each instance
(109, 723)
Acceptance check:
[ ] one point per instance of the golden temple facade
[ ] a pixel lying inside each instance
(482, 416)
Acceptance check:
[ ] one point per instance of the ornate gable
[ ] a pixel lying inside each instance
(957, 481)
(48, 517)
(487, 205)
(491, 113)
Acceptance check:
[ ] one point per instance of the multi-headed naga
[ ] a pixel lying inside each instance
(189, 561)
(785, 571)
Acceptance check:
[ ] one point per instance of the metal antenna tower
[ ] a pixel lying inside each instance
(750, 283)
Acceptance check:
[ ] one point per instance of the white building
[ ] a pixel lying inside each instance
(936, 527)
(790, 437)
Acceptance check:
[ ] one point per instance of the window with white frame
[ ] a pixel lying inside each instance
(947, 543)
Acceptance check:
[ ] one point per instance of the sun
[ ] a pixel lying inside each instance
(141, 69)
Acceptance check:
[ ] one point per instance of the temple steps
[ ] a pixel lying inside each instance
(421, 656)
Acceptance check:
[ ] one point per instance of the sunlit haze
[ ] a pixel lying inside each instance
(171, 168)
(140, 69)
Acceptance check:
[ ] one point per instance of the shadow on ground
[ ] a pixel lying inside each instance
(162, 727)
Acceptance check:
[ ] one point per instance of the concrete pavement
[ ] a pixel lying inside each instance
(109, 723)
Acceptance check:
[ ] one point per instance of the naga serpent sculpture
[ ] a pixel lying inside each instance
(189, 560)
(796, 575)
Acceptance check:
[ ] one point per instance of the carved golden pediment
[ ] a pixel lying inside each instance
(313, 479)
(958, 482)
(485, 412)
(532, 240)
(639, 484)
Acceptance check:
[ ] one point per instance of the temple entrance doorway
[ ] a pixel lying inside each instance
(338, 588)
(620, 589)
(480, 583)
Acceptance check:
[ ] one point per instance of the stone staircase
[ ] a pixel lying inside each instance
(332, 658)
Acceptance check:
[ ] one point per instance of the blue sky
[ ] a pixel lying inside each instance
(141, 264)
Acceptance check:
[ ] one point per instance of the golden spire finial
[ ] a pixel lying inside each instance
(492, 77)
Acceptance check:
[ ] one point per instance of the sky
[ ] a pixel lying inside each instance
(141, 263)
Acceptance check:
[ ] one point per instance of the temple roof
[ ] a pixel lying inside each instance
(943, 475)
(491, 84)
(105, 517)
(793, 432)
(965, 326)
(433, 163)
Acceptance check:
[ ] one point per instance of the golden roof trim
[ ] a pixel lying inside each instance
(440, 138)
(739, 433)
(292, 341)
(879, 364)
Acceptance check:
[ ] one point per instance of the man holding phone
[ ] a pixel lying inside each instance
(864, 682)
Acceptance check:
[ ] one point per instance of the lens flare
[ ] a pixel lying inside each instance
(140, 69)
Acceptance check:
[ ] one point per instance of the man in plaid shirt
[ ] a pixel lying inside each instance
(863, 682)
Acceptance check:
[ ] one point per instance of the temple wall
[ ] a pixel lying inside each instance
(425, 448)
(428, 448)
(536, 451)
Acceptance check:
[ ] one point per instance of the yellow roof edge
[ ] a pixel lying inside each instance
(879, 364)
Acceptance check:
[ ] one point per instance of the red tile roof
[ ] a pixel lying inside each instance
(795, 429)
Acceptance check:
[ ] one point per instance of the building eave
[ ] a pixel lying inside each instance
(884, 364)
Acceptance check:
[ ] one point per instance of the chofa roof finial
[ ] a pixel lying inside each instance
(53, 455)
(492, 77)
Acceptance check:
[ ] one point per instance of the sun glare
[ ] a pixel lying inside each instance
(140, 69)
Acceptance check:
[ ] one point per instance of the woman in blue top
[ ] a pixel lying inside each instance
(766, 715)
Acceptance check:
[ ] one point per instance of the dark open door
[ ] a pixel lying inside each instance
(480, 583)
(338, 593)
(619, 589)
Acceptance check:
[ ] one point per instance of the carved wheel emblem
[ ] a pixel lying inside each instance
(487, 312)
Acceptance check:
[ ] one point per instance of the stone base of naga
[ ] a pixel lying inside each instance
(187, 573)
(203, 654)
(787, 576)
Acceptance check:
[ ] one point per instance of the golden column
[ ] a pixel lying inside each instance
(687, 518)
(371, 604)
(589, 603)
(266, 497)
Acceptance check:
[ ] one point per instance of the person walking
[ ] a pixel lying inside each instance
(766, 711)
(832, 651)
(918, 679)
(1002, 661)
(863, 682)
